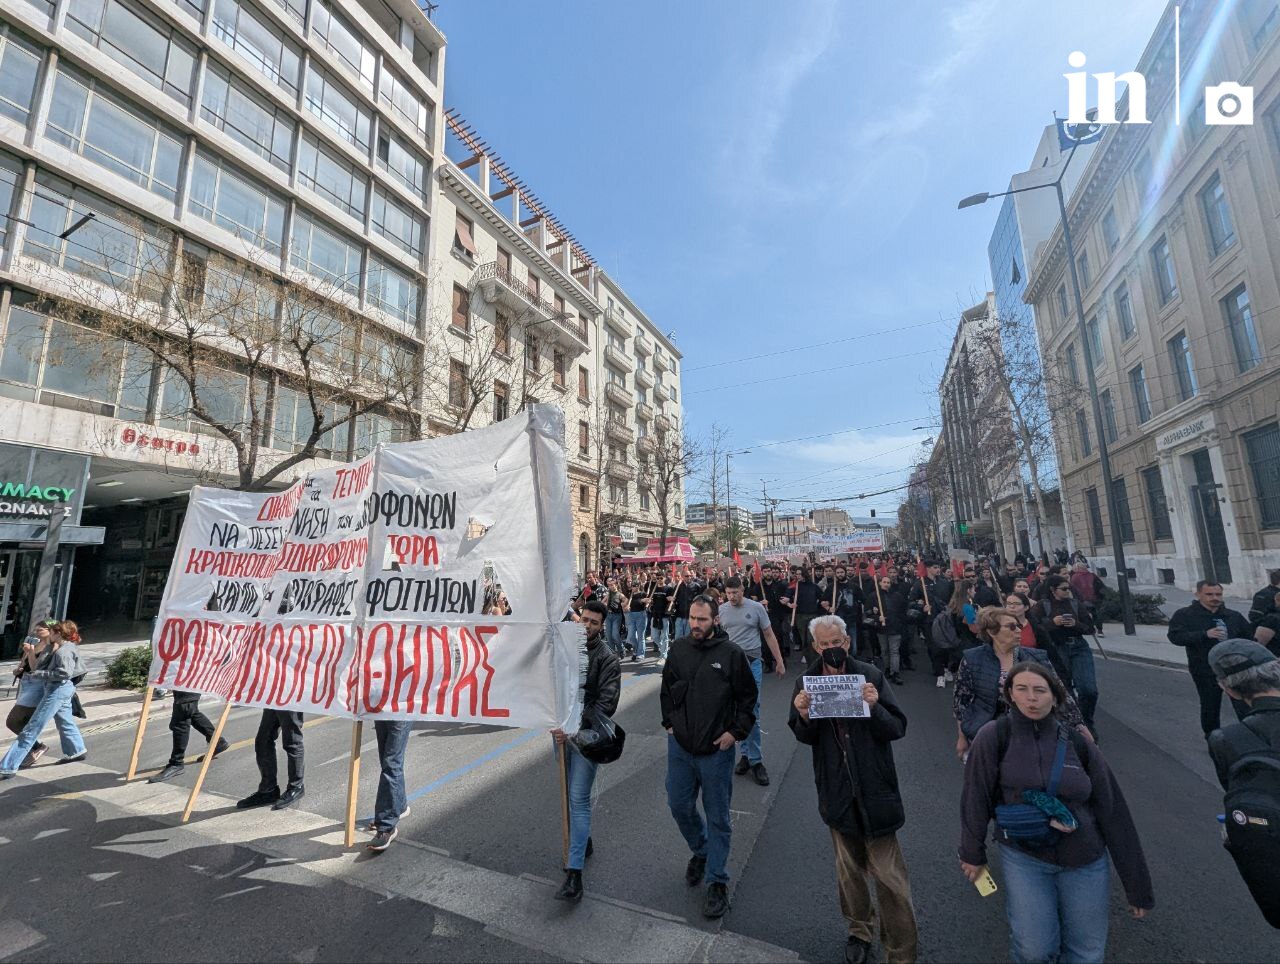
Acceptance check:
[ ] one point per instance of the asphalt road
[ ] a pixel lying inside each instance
(97, 870)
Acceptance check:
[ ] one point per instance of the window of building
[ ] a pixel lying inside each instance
(461, 308)
(1217, 216)
(1095, 517)
(1110, 230)
(325, 335)
(297, 9)
(584, 384)
(295, 419)
(535, 286)
(398, 94)
(1141, 397)
(242, 27)
(584, 438)
(532, 353)
(557, 367)
(1073, 365)
(1262, 447)
(644, 500)
(229, 199)
(392, 291)
(1120, 506)
(1244, 336)
(1082, 266)
(1195, 123)
(464, 236)
(111, 248)
(1157, 504)
(402, 162)
(1183, 370)
(458, 395)
(10, 171)
(334, 178)
(1109, 415)
(342, 38)
(229, 105)
(557, 306)
(373, 428)
(584, 497)
(1063, 312)
(19, 64)
(385, 359)
(504, 265)
(44, 6)
(397, 223)
(1124, 313)
(95, 125)
(1143, 181)
(583, 328)
(501, 401)
(1082, 429)
(324, 253)
(1093, 332)
(1258, 20)
(1166, 277)
(144, 44)
(338, 108)
(502, 333)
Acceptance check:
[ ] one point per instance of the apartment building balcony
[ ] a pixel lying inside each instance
(616, 393)
(619, 431)
(644, 411)
(618, 358)
(619, 322)
(620, 470)
(660, 362)
(643, 345)
(664, 423)
(497, 285)
(646, 445)
(644, 377)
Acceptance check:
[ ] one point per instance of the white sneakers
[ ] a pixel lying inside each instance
(942, 682)
(947, 675)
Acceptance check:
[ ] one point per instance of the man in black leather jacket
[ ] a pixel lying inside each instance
(600, 696)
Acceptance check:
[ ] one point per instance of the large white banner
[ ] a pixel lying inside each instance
(858, 541)
(359, 591)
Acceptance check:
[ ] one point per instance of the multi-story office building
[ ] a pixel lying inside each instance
(832, 522)
(289, 139)
(703, 513)
(523, 313)
(1177, 249)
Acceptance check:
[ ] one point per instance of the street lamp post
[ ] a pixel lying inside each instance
(1104, 457)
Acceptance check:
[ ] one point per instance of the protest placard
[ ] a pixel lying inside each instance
(836, 696)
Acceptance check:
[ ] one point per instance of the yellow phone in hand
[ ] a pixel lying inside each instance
(985, 883)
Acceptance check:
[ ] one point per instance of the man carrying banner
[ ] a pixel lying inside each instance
(390, 806)
(602, 688)
(288, 725)
(708, 700)
(184, 716)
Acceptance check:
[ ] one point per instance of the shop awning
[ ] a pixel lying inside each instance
(676, 549)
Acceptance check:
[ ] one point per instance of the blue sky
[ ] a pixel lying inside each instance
(780, 180)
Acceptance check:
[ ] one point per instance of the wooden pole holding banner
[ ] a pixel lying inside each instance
(137, 737)
(924, 591)
(208, 758)
(562, 764)
(353, 782)
(1098, 643)
(879, 601)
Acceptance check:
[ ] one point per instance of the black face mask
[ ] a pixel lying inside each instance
(835, 657)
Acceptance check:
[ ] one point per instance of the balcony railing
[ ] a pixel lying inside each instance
(619, 322)
(620, 470)
(644, 377)
(618, 358)
(644, 411)
(497, 284)
(616, 393)
(619, 431)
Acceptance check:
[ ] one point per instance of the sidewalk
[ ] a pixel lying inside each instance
(1150, 645)
(1175, 599)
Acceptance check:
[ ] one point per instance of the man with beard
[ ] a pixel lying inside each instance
(773, 587)
(708, 702)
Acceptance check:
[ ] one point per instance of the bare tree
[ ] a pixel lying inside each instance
(669, 458)
(250, 355)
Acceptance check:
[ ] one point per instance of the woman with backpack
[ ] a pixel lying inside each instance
(56, 670)
(1054, 834)
(952, 633)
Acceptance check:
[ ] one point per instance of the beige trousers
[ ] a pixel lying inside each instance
(858, 861)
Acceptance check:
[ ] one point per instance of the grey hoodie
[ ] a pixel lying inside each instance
(60, 665)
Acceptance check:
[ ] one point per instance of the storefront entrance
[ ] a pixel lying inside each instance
(1207, 509)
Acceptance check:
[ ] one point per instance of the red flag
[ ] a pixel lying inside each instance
(884, 569)
(737, 559)
(957, 568)
(921, 571)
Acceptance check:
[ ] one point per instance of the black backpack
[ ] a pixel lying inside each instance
(1252, 811)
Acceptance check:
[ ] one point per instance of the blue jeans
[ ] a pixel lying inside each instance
(636, 623)
(613, 632)
(1056, 913)
(55, 704)
(393, 737)
(660, 636)
(682, 627)
(582, 775)
(751, 745)
(1084, 679)
(713, 775)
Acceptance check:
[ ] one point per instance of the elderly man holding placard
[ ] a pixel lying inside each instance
(844, 710)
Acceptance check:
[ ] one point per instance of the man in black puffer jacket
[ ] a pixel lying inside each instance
(708, 705)
(858, 798)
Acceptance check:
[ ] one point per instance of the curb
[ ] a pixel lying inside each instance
(1148, 660)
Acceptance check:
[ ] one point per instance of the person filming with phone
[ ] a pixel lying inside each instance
(1058, 812)
(1065, 623)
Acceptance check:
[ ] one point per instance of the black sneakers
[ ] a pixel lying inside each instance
(170, 771)
(290, 796)
(372, 825)
(381, 840)
(743, 766)
(693, 873)
(571, 889)
(716, 903)
(856, 951)
(761, 774)
(259, 798)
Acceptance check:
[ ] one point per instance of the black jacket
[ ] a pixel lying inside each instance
(685, 592)
(707, 690)
(1189, 625)
(985, 595)
(808, 597)
(853, 760)
(1042, 616)
(940, 590)
(604, 678)
(894, 607)
(1263, 604)
(1264, 720)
